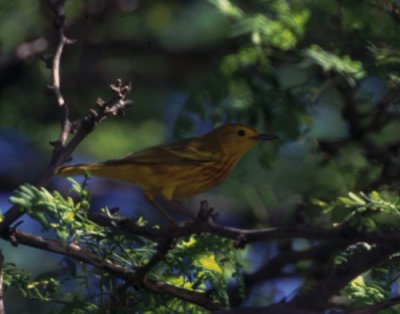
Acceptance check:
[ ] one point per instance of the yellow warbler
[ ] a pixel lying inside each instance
(182, 169)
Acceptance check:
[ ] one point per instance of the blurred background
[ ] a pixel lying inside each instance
(317, 73)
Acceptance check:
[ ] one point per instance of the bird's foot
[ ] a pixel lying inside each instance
(206, 213)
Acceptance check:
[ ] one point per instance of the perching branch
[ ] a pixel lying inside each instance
(387, 244)
(245, 236)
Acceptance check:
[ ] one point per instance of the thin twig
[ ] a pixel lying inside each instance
(57, 6)
(163, 247)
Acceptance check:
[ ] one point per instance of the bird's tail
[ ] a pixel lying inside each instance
(76, 170)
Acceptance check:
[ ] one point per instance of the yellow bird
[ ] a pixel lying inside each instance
(182, 169)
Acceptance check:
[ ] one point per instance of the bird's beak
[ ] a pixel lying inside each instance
(264, 137)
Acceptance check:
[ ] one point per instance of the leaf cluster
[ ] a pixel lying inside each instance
(203, 263)
(365, 212)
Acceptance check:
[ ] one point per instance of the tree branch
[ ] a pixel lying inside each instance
(273, 267)
(317, 298)
(245, 236)
(163, 247)
(74, 251)
(361, 125)
(339, 237)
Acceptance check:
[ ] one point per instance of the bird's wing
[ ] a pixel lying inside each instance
(186, 151)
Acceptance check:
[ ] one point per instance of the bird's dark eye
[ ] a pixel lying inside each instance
(241, 133)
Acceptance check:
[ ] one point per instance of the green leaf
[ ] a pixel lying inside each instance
(331, 62)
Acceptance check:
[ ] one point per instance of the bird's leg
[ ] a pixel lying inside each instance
(167, 194)
(161, 210)
(183, 209)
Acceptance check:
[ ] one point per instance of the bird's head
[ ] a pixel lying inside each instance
(236, 139)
